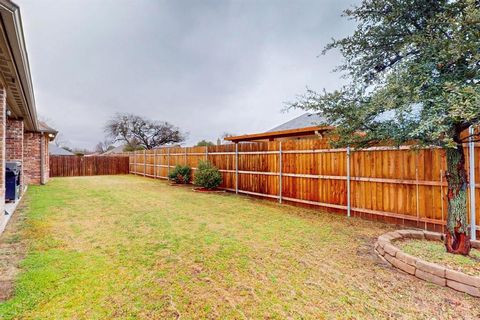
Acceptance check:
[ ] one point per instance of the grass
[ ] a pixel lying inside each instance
(125, 247)
(434, 251)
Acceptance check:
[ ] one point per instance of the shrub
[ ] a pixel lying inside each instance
(180, 174)
(207, 176)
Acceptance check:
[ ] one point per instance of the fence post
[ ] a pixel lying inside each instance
(206, 153)
(144, 162)
(134, 162)
(168, 164)
(280, 160)
(471, 147)
(154, 163)
(185, 155)
(236, 167)
(349, 207)
(417, 206)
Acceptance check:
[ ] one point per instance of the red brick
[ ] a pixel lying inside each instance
(3, 119)
(32, 157)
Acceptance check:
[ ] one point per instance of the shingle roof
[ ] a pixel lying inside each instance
(118, 149)
(57, 151)
(303, 121)
(43, 127)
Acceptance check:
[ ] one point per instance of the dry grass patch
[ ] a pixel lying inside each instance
(127, 247)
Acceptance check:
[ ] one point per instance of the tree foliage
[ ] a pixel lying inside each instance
(137, 131)
(204, 143)
(414, 73)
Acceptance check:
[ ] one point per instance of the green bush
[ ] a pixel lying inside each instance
(180, 174)
(207, 176)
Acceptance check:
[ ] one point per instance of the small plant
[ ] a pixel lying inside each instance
(180, 174)
(207, 176)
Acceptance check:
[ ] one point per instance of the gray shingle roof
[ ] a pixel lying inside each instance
(57, 151)
(115, 150)
(303, 121)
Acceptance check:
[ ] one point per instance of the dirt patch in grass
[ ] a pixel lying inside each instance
(125, 247)
(12, 251)
(434, 251)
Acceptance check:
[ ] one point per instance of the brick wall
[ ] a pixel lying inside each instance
(14, 143)
(32, 157)
(3, 109)
(14, 140)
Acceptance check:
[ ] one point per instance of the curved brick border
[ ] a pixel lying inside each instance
(422, 269)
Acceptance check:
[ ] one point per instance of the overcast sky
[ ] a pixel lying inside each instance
(206, 66)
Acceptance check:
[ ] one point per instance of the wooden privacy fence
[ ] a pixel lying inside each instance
(397, 185)
(70, 166)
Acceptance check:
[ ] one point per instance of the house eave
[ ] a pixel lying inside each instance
(22, 81)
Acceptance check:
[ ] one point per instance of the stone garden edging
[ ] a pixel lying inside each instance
(422, 269)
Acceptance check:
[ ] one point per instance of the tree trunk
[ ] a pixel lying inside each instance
(457, 239)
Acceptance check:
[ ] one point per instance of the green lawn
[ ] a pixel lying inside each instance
(134, 248)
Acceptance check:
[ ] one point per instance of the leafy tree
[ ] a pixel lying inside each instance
(204, 143)
(136, 131)
(414, 71)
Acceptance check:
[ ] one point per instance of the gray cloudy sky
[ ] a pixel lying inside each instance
(206, 66)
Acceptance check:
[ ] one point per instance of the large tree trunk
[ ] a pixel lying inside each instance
(457, 239)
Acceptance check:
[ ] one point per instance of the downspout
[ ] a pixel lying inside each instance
(42, 160)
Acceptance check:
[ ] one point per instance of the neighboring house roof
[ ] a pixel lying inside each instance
(303, 121)
(118, 149)
(54, 150)
(304, 125)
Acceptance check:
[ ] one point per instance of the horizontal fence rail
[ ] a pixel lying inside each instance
(396, 185)
(71, 166)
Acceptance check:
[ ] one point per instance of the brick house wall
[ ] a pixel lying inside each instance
(3, 116)
(14, 143)
(35, 146)
(14, 140)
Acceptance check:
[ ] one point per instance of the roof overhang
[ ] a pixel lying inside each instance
(280, 134)
(14, 66)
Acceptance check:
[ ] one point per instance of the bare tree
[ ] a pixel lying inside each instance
(103, 146)
(137, 131)
(60, 140)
